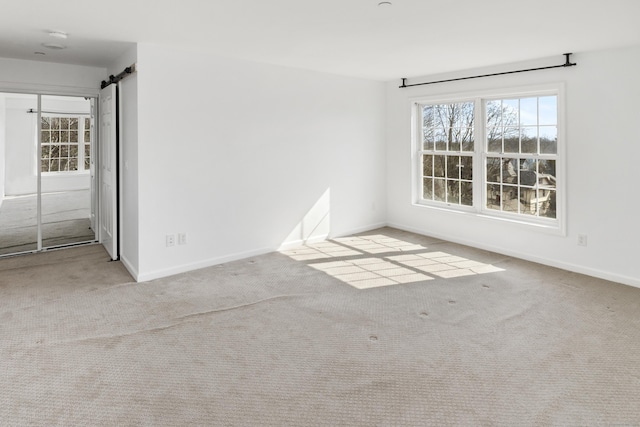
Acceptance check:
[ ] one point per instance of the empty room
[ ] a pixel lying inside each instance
(347, 213)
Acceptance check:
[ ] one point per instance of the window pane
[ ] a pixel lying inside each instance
(510, 198)
(73, 123)
(529, 111)
(64, 123)
(427, 188)
(493, 169)
(87, 123)
(45, 123)
(462, 115)
(87, 136)
(73, 136)
(528, 172)
(438, 166)
(427, 138)
(87, 151)
(494, 113)
(453, 192)
(45, 151)
(44, 165)
(547, 203)
(73, 151)
(53, 165)
(55, 136)
(494, 140)
(548, 139)
(510, 171)
(440, 136)
(547, 173)
(510, 108)
(548, 110)
(64, 136)
(55, 123)
(468, 144)
(466, 167)
(73, 164)
(466, 193)
(439, 190)
(64, 151)
(427, 164)
(64, 165)
(493, 196)
(453, 167)
(529, 201)
(55, 151)
(46, 136)
(511, 140)
(529, 139)
(86, 164)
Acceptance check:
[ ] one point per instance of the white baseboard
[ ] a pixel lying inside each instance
(613, 277)
(158, 274)
(145, 277)
(360, 230)
(130, 268)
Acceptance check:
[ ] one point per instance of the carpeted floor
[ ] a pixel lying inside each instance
(385, 328)
(65, 220)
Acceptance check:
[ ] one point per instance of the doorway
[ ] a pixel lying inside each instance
(47, 173)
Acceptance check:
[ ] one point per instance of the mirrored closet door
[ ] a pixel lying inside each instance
(46, 173)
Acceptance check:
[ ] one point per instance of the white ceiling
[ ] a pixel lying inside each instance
(347, 37)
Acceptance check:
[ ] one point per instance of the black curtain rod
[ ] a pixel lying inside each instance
(567, 63)
(32, 111)
(115, 79)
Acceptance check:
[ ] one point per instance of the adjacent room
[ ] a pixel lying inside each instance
(363, 213)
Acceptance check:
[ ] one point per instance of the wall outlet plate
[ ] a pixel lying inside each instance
(582, 240)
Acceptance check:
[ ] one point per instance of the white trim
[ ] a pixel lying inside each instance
(130, 268)
(158, 274)
(600, 274)
(35, 89)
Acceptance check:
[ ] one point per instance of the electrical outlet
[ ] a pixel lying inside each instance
(170, 240)
(582, 240)
(182, 238)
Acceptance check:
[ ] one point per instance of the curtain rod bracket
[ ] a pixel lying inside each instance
(568, 63)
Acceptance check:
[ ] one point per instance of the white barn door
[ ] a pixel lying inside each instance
(108, 171)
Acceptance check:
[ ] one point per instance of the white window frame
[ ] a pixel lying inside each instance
(81, 143)
(553, 225)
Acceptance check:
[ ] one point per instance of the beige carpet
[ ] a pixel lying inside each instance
(386, 328)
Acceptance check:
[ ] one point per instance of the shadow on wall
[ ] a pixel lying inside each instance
(315, 225)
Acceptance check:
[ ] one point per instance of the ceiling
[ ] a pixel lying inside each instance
(346, 37)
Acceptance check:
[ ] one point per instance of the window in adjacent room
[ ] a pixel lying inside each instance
(66, 142)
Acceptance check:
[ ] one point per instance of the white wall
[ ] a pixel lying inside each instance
(603, 148)
(238, 154)
(20, 155)
(2, 144)
(129, 233)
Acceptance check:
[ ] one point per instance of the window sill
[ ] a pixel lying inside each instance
(552, 227)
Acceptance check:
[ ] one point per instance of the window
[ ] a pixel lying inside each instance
(66, 143)
(447, 156)
(494, 155)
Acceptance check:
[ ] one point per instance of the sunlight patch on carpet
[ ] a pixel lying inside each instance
(366, 262)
